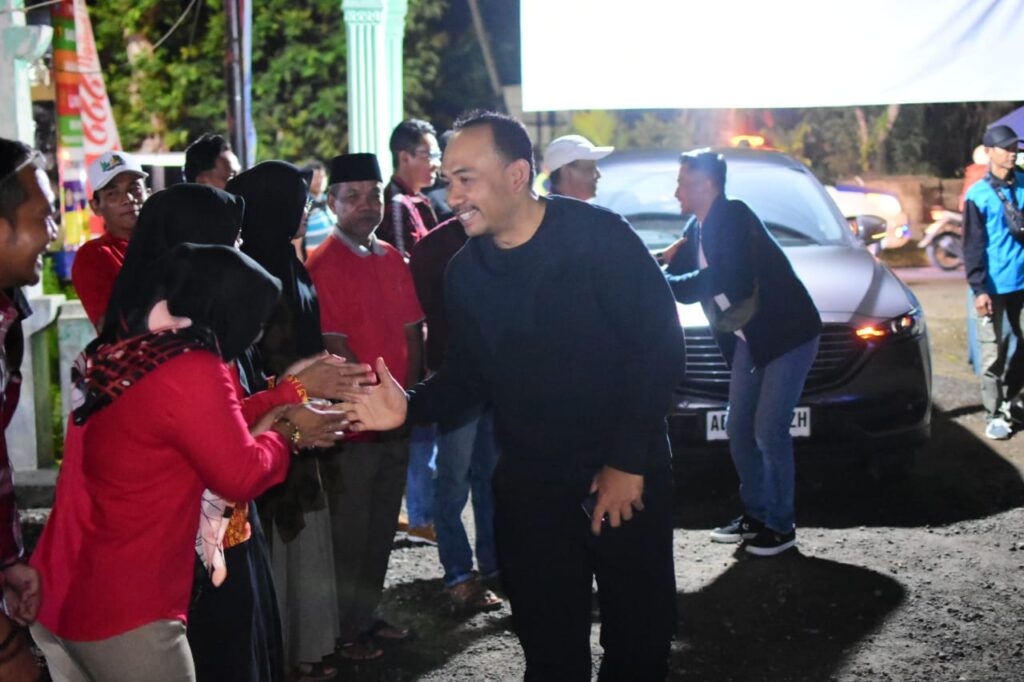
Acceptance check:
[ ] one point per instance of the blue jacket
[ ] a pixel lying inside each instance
(993, 258)
(739, 249)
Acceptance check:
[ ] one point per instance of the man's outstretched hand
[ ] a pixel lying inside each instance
(618, 494)
(382, 408)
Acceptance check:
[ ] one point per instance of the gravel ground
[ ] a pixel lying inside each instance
(915, 580)
(920, 579)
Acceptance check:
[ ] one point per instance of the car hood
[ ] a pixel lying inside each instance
(847, 284)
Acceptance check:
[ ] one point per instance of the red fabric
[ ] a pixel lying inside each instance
(11, 351)
(369, 299)
(258, 404)
(95, 268)
(118, 550)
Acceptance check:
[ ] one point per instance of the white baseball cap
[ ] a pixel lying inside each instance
(110, 165)
(569, 148)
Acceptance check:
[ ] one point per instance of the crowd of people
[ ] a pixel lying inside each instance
(283, 353)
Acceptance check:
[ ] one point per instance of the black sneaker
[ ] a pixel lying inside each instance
(769, 543)
(742, 528)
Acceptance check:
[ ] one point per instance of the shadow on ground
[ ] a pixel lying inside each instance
(730, 630)
(957, 476)
(441, 634)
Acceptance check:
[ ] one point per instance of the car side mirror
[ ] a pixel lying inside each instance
(870, 228)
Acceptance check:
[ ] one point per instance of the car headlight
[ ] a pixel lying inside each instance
(907, 325)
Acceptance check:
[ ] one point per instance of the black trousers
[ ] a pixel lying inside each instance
(548, 558)
(364, 492)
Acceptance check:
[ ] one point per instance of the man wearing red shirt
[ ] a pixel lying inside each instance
(118, 192)
(368, 309)
(26, 227)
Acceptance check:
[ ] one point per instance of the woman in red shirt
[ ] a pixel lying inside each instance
(160, 420)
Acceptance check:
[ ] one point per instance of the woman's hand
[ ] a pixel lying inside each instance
(309, 426)
(381, 408)
(332, 377)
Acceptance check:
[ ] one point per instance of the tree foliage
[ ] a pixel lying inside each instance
(164, 98)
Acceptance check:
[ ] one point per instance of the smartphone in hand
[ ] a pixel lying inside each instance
(588, 504)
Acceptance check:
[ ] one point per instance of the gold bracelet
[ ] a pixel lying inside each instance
(295, 436)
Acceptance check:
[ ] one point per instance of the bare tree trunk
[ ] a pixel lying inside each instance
(872, 137)
(485, 47)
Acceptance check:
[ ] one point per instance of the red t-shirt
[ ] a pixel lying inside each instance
(95, 268)
(369, 298)
(119, 547)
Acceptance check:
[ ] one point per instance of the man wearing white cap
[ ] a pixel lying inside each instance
(571, 161)
(118, 192)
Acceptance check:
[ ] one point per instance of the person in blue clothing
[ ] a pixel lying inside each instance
(767, 328)
(994, 264)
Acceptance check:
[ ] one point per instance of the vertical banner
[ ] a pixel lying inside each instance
(70, 141)
(99, 130)
(98, 127)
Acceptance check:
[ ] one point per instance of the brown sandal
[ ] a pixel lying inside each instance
(470, 596)
(359, 649)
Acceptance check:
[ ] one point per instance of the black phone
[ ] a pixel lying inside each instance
(588, 504)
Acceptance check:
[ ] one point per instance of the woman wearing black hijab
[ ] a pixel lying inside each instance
(158, 419)
(234, 629)
(196, 214)
(296, 511)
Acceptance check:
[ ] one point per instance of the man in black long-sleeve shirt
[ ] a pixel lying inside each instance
(562, 320)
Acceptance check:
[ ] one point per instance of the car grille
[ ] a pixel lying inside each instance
(707, 373)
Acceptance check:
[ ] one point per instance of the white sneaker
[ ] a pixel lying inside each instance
(998, 429)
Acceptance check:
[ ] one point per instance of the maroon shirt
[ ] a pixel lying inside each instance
(13, 308)
(408, 217)
(428, 262)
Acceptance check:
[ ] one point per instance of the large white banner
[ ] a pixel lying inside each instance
(650, 54)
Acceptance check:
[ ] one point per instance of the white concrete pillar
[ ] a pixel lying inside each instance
(20, 45)
(396, 12)
(369, 98)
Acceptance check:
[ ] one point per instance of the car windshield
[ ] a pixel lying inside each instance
(790, 201)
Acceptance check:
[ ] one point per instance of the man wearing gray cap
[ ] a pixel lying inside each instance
(571, 161)
(994, 263)
(118, 192)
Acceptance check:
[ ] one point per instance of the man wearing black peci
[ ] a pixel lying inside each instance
(562, 320)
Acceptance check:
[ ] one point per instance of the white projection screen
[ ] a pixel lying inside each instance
(673, 54)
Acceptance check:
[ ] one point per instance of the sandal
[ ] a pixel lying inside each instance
(471, 596)
(314, 672)
(359, 649)
(381, 629)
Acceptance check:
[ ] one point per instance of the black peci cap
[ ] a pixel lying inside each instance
(353, 168)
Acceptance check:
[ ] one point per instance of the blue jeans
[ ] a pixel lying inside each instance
(761, 402)
(466, 456)
(419, 483)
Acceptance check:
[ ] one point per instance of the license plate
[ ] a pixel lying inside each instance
(800, 427)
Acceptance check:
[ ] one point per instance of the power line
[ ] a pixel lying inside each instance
(31, 7)
(175, 26)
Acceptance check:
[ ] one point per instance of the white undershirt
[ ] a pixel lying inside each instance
(721, 299)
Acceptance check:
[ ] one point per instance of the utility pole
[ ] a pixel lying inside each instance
(234, 65)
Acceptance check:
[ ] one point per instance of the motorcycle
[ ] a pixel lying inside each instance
(944, 239)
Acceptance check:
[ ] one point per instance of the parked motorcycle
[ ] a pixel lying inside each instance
(944, 239)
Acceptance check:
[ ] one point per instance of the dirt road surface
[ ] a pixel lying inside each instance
(918, 580)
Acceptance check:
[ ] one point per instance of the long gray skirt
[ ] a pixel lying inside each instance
(304, 576)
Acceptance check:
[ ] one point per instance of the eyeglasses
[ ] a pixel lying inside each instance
(35, 158)
(427, 154)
